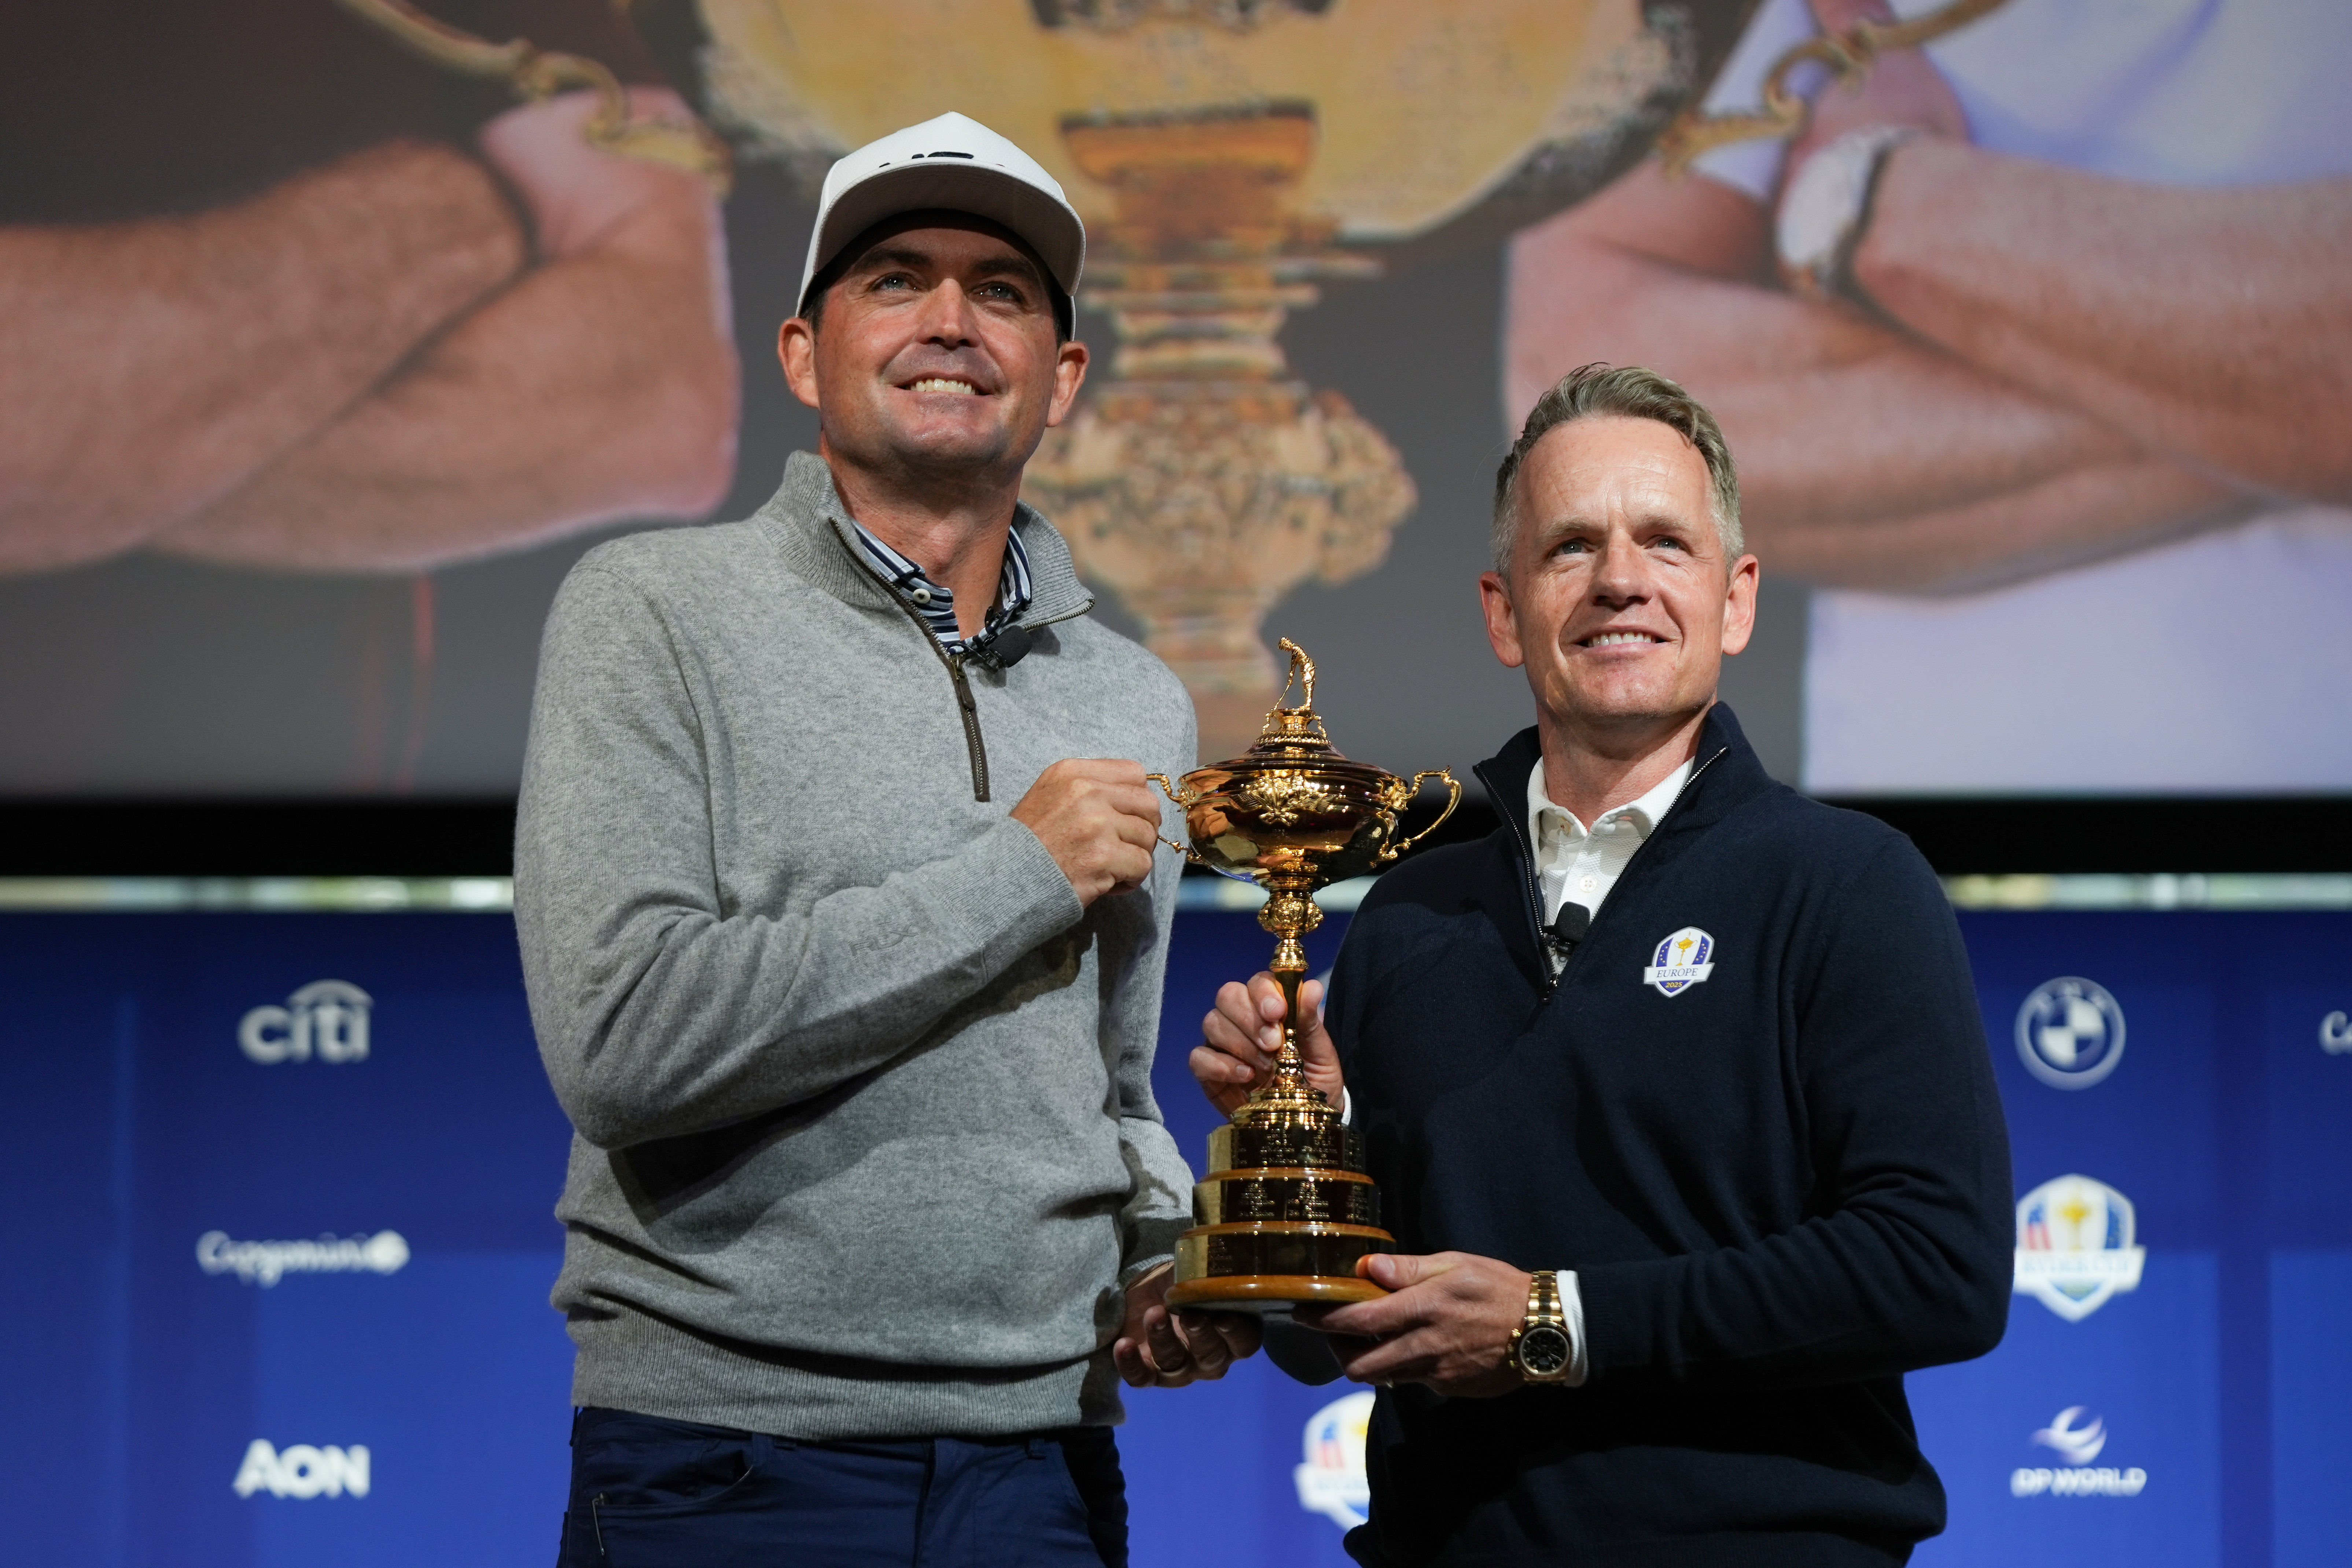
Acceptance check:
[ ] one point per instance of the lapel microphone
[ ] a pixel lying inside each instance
(1568, 927)
(1002, 648)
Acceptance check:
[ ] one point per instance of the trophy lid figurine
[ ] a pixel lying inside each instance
(1285, 1209)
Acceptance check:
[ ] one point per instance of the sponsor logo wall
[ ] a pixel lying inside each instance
(281, 1189)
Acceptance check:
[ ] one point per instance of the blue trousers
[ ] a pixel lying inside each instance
(648, 1493)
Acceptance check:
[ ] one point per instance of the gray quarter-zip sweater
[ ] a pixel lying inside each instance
(866, 1144)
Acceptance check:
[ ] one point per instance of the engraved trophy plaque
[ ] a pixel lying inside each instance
(1285, 1209)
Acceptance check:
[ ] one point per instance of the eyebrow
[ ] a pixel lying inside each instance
(1015, 264)
(1565, 527)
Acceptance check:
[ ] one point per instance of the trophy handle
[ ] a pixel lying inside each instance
(1395, 849)
(1190, 854)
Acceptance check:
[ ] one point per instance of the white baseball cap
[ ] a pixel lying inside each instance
(960, 165)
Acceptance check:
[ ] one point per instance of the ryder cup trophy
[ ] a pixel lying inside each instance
(1285, 1209)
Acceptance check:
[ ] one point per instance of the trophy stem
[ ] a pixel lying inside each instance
(1289, 1065)
(1290, 912)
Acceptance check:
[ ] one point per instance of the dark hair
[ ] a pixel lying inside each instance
(812, 309)
(1633, 392)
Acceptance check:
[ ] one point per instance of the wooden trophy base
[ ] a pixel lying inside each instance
(1271, 1265)
(1260, 1293)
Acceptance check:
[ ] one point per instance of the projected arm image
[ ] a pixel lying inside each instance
(2033, 365)
(376, 365)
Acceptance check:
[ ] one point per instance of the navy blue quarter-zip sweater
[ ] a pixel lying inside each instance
(1782, 1185)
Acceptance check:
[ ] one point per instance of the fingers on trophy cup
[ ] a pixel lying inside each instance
(1285, 1209)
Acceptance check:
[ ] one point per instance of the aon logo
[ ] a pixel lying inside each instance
(302, 1471)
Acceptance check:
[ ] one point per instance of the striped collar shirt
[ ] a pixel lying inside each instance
(937, 605)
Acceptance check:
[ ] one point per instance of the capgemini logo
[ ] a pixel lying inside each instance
(264, 1263)
(327, 1018)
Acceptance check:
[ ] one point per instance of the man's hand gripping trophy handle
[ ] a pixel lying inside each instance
(1097, 819)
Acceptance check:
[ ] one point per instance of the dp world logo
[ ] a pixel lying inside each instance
(2077, 1437)
(2070, 1033)
(2075, 1246)
(327, 1018)
(1331, 1481)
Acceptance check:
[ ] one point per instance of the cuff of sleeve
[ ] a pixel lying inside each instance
(1007, 889)
(1151, 1241)
(1137, 1271)
(1572, 1307)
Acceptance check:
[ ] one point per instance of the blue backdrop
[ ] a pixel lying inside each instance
(278, 1254)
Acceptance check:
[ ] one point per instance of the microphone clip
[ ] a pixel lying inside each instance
(1001, 647)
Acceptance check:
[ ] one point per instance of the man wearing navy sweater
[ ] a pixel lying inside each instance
(1673, 1086)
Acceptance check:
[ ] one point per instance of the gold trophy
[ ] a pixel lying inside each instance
(1285, 1209)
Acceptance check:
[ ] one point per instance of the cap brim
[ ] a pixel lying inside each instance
(1050, 229)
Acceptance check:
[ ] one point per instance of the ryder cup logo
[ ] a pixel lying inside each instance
(1680, 963)
(327, 1018)
(2074, 1246)
(2070, 1033)
(1331, 1481)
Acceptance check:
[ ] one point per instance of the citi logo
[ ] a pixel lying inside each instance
(302, 1471)
(327, 1018)
(264, 1263)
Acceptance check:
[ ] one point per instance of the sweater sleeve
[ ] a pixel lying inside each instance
(1905, 1259)
(659, 1016)
(1161, 1206)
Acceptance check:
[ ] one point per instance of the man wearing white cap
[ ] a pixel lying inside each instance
(870, 1205)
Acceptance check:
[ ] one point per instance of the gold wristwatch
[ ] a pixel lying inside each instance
(1540, 1347)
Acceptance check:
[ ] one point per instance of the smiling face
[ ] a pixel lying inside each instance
(937, 353)
(1619, 604)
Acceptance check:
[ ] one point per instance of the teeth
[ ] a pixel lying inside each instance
(942, 383)
(1609, 639)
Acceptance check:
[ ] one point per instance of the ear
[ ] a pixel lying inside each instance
(1069, 375)
(1502, 620)
(796, 350)
(1739, 604)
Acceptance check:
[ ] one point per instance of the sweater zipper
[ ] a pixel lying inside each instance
(974, 747)
(1534, 889)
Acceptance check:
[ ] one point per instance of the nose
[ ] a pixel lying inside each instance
(947, 319)
(1620, 576)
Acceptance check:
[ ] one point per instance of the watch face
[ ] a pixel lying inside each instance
(1543, 1351)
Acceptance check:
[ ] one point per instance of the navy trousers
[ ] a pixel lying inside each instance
(648, 1493)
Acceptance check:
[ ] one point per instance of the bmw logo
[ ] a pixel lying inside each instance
(2070, 1033)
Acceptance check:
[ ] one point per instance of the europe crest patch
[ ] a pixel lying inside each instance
(1682, 960)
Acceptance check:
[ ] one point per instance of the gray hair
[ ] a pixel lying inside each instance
(1630, 392)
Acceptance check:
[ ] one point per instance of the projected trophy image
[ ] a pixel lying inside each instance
(1229, 157)
(1285, 1209)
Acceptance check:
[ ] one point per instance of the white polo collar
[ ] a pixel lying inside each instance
(1645, 812)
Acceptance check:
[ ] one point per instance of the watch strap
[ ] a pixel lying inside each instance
(1825, 210)
(1544, 1310)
